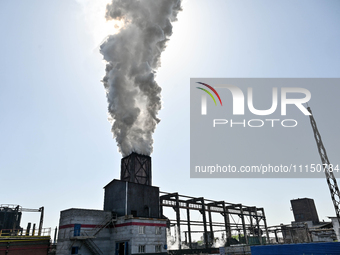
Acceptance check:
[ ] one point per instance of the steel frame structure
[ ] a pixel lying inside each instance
(331, 181)
(255, 226)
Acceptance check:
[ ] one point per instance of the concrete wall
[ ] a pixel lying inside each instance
(88, 220)
(125, 229)
(131, 232)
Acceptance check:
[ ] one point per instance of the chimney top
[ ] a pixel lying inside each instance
(136, 168)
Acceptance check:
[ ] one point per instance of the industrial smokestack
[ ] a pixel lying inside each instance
(133, 56)
(136, 168)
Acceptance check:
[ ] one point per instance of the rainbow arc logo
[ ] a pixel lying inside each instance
(208, 92)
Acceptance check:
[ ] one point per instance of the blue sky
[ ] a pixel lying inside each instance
(56, 146)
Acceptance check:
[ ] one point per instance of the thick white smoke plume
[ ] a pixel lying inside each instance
(133, 55)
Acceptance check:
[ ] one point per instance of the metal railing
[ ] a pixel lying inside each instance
(46, 232)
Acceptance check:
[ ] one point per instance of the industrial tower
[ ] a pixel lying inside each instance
(332, 184)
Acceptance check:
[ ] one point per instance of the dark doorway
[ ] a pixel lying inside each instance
(74, 250)
(122, 248)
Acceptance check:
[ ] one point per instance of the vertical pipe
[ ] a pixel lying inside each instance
(149, 173)
(189, 227)
(126, 197)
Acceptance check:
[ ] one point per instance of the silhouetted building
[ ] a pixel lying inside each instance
(304, 210)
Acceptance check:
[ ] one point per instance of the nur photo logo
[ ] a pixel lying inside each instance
(238, 104)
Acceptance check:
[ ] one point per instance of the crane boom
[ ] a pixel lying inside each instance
(331, 181)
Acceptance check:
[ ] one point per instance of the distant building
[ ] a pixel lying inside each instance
(307, 227)
(15, 240)
(304, 210)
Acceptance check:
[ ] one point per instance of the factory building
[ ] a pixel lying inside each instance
(132, 220)
(305, 213)
(304, 210)
(83, 231)
(15, 240)
(306, 227)
(129, 223)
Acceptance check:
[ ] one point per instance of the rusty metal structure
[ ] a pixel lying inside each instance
(252, 225)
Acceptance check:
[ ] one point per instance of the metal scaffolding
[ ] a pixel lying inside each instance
(253, 221)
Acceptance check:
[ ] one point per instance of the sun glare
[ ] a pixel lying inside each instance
(98, 26)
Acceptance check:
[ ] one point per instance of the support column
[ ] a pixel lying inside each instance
(189, 227)
(284, 233)
(178, 219)
(251, 220)
(276, 238)
(41, 222)
(258, 225)
(226, 223)
(204, 223)
(211, 226)
(243, 224)
(265, 224)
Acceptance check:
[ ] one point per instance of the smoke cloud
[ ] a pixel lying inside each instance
(133, 56)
